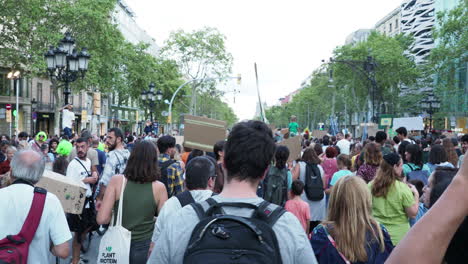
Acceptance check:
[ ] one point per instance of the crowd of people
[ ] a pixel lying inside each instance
(246, 200)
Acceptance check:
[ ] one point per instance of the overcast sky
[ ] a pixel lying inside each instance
(287, 39)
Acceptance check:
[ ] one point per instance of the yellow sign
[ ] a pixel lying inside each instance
(84, 116)
(8, 116)
(386, 121)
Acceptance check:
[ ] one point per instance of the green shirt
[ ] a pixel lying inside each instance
(390, 210)
(293, 127)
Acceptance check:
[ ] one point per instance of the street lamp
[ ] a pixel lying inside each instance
(15, 75)
(33, 115)
(429, 105)
(65, 64)
(148, 97)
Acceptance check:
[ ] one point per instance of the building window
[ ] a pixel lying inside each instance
(39, 92)
(52, 97)
(396, 24)
(390, 28)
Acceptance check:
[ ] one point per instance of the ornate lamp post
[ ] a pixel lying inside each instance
(430, 104)
(149, 97)
(65, 64)
(33, 115)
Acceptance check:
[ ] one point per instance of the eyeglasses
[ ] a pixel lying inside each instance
(41, 136)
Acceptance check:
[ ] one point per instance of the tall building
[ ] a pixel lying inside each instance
(390, 25)
(418, 19)
(357, 36)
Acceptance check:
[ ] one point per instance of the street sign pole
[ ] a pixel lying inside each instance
(8, 115)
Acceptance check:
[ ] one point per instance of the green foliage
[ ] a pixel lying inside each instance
(449, 58)
(350, 90)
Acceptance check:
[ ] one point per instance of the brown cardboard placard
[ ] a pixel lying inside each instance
(71, 193)
(202, 132)
(294, 146)
(319, 133)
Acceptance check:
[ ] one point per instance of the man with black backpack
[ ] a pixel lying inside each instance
(236, 226)
(171, 171)
(200, 175)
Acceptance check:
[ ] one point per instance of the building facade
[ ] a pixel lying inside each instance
(358, 36)
(390, 25)
(418, 19)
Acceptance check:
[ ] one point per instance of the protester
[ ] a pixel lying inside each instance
(40, 139)
(344, 164)
(5, 165)
(194, 153)
(318, 149)
(60, 165)
(325, 143)
(200, 179)
(64, 148)
(130, 143)
(53, 143)
(92, 154)
(381, 138)
(171, 172)
(344, 144)
(350, 234)
(464, 142)
(403, 135)
(355, 154)
(329, 166)
(52, 234)
(415, 168)
(248, 153)
(393, 201)
(278, 180)
(116, 160)
(372, 159)
(218, 150)
(317, 206)
(433, 233)
(68, 119)
(297, 206)
(293, 127)
(450, 150)
(438, 158)
(143, 197)
(148, 127)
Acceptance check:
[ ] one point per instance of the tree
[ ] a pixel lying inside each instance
(199, 54)
(448, 60)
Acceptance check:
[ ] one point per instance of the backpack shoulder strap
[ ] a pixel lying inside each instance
(201, 207)
(82, 165)
(167, 163)
(269, 212)
(185, 198)
(34, 216)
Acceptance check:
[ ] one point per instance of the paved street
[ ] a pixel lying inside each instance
(90, 256)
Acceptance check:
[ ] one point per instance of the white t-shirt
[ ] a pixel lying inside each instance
(173, 205)
(15, 202)
(67, 118)
(344, 146)
(77, 172)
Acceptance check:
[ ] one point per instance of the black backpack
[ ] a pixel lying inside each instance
(164, 167)
(221, 238)
(313, 185)
(275, 186)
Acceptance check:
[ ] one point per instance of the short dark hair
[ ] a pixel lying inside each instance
(396, 140)
(165, 143)
(81, 140)
(118, 133)
(326, 140)
(441, 179)
(130, 138)
(297, 187)
(380, 136)
(437, 154)
(464, 138)
(60, 165)
(372, 138)
(86, 134)
(248, 151)
(194, 153)
(318, 149)
(347, 135)
(402, 149)
(402, 131)
(219, 146)
(5, 143)
(419, 186)
(142, 165)
(281, 156)
(416, 154)
(23, 134)
(198, 171)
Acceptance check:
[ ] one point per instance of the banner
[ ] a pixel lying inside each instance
(202, 132)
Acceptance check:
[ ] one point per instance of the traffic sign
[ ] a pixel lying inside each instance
(8, 107)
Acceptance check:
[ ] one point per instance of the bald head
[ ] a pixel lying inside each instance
(27, 165)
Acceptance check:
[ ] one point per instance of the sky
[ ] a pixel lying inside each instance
(287, 39)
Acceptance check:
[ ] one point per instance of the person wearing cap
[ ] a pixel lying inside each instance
(393, 201)
(200, 177)
(68, 117)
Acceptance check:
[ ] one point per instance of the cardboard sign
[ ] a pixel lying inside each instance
(294, 146)
(284, 131)
(71, 193)
(179, 140)
(410, 123)
(319, 133)
(202, 132)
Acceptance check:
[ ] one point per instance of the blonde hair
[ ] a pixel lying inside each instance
(350, 215)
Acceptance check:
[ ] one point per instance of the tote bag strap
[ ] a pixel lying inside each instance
(120, 210)
(332, 241)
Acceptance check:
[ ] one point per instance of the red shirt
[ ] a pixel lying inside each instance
(300, 209)
(4, 167)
